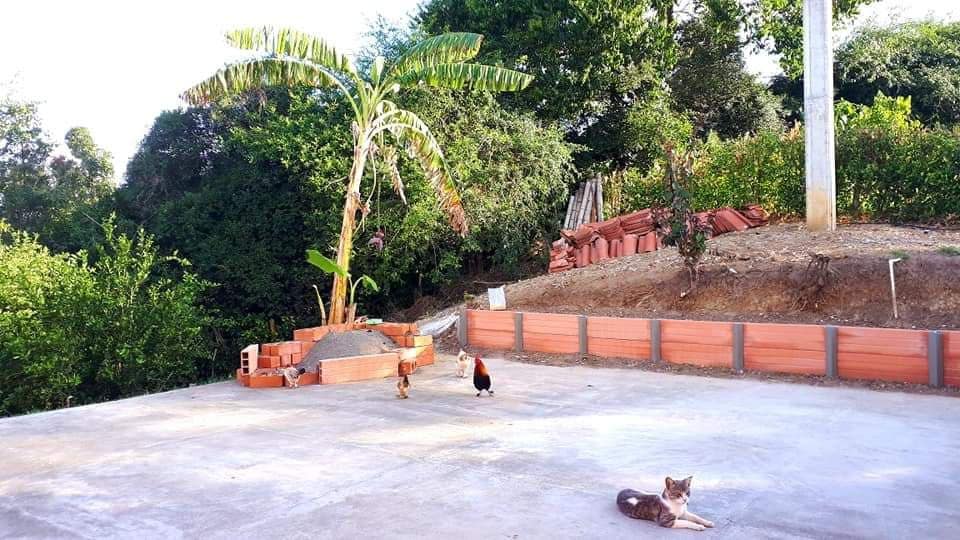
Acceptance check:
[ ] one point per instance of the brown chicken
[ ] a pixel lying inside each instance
(481, 377)
(403, 387)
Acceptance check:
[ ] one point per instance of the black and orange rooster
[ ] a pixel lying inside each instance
(481, 378)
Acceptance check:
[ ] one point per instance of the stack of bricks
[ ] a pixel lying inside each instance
(637, 233)
(412, 352)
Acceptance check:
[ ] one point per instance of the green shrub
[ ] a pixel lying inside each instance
(888, 167)
(80, 332)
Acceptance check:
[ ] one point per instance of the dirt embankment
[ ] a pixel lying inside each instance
(765, 275)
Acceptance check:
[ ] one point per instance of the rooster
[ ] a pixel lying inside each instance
(481, 378)
(463, 363)
(403, 387)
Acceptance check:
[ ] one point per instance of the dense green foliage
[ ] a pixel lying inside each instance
(76, 331)
(917, 59)
(710, 83)
(59, 197)
(244, 189)
(920, 60)
(598, 61)
(888, 167)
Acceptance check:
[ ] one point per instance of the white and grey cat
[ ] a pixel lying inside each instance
(668, 509)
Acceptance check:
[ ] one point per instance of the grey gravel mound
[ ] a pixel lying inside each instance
(353, 343)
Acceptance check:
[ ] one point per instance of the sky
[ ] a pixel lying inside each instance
(114, 66)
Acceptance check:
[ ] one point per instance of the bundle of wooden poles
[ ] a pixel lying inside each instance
(586, 205)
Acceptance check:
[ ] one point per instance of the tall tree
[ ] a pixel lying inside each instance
(712, 85)
(24, 179)
(294, 58)
(598, 61)
(919, 59)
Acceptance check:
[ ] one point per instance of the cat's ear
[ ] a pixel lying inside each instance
(688, 480)
(669, 482)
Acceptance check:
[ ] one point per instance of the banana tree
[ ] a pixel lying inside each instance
(379, 126)
(315, 258)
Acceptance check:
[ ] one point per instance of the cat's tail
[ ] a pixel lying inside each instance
(627, 501)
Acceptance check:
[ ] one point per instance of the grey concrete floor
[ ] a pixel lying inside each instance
(544, 458)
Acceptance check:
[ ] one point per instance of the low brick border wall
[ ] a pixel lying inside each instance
(258, 363)
(882, 354)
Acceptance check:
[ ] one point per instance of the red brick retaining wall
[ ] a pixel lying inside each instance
(885, 354)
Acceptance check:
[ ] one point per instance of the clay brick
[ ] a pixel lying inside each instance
(307, 334)
(951, 358)
(418, 341)
(309, 377)
(266, 381)
(289, 347)
(393, 329)
(286, 360)
(425, 355)
(269, 362)
(358, 368)
(305, 346)
(248, 357)
(270, 349)
(296, 358)
(242, 378)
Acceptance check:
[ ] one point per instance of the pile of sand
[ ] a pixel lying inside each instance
(340, 344)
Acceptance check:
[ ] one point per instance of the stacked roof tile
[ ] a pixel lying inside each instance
(637, 233)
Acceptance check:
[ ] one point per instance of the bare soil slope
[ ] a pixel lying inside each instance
(764, 275)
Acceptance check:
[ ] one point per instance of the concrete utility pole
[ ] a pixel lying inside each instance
(818, 115)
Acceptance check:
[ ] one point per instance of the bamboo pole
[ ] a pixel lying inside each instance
(599, 181)
(575, 215)
(570, 205)
(587, 202)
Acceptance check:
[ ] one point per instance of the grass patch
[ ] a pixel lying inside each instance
(949, 251)
(900, 254)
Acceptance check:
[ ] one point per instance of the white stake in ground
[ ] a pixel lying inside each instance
(893, 287)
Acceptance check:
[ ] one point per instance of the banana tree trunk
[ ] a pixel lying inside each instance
(338, 298)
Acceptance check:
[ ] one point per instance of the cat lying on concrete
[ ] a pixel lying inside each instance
(668, 509)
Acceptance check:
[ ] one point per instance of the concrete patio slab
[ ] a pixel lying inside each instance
(544, 458)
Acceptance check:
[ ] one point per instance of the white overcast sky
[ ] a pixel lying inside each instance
(113, 66)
